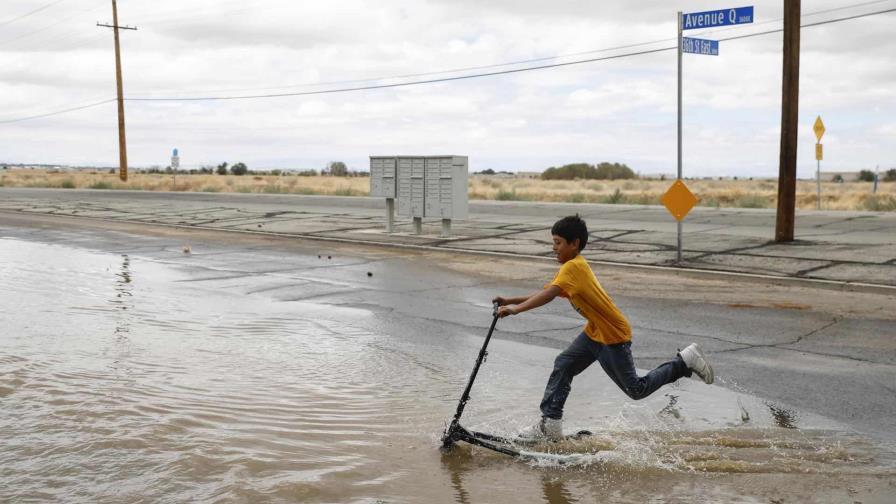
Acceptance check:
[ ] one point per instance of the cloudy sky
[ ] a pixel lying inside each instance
(53, 57)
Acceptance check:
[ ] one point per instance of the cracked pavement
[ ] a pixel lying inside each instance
(857, 248)
(818, 350)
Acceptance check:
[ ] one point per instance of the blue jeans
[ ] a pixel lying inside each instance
(617, 363)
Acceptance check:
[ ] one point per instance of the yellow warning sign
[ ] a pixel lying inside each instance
(818, 152)
(679, 200)
(818, 128)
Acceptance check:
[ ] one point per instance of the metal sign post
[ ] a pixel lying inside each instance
(680, 30)
(691, 21)
(818, 128)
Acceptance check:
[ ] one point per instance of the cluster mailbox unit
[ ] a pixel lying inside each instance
(425, 186)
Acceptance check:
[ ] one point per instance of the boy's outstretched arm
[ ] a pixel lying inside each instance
(501, 300)
(534, 301)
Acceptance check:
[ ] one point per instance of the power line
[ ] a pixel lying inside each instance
(486, 74)
(445, 79)
(35, 11)
(532, 60)
(47, 27)
(48, 114)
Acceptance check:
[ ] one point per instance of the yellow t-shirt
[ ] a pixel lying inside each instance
(606, 324)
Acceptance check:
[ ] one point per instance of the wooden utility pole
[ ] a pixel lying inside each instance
(790, 100)
(122, 144)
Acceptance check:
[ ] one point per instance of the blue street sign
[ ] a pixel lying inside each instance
(708, 19)
(700, 46)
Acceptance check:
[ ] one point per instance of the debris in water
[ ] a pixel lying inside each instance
(784, 418)
(369, 274)
(187, 249)
(744, 414)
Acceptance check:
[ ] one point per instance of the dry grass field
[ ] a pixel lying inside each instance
(712, 193)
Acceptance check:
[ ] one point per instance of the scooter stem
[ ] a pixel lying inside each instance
(449, 436)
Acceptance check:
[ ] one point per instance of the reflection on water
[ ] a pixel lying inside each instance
(126, 379)
(122, 299)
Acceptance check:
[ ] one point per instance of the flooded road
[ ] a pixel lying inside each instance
(168, 371)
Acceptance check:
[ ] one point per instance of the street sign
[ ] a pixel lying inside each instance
(700, 46)
(818, 152)
(679, 200)
(709, 19)
(818, 128)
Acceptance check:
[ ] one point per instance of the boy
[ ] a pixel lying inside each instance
(606, 338)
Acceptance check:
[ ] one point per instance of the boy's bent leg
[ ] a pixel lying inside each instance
(617, 362)
(580, 354)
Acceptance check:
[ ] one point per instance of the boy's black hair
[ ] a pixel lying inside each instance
(571, 227)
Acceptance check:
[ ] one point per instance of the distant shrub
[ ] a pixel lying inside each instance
(615, 198)
(505, 195)
(751, 201)
(570, 172)
(880, 203)
(605, 171)
(67, 184)
(101, 185)
(890, 175)
(210, 188)
(239, 169)
(865, 176)
(613, 171)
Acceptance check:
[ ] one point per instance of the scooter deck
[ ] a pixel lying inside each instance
(525, 442)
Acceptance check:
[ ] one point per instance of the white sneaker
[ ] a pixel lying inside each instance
(693, 356)
(546, 429)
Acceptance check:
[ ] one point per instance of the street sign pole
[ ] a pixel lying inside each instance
(819, 130)
(680, 29)
(818, 184)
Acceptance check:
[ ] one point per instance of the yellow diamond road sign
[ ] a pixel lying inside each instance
(818, 128)
(679, 200)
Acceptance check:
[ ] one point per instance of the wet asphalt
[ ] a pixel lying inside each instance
(836, 365)
(830, 246)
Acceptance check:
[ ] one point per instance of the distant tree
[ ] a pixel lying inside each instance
(570, 172)
(337, 169)
(890, 175)
(239, 169)
(865, 176)
(607, 171)
(487, 171)
(307, 173)
(613, 171)
(837, 178)
(222, 168)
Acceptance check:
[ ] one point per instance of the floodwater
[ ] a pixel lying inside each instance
(169, 376)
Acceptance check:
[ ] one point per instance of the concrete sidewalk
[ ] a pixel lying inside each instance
(852, 247)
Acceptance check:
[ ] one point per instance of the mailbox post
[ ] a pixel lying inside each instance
(382, 184)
